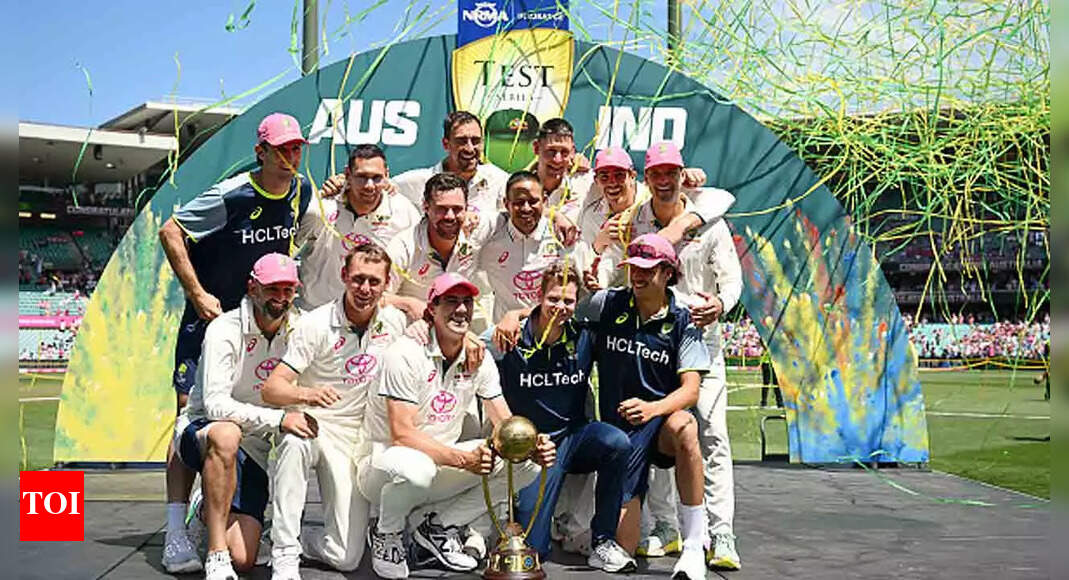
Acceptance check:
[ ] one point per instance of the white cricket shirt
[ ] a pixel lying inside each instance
(235, 361)
(330, 239)
(325, 350)
(414, 373)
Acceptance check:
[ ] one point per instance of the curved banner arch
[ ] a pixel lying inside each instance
(812, 287)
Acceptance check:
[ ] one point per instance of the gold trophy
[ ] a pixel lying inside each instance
(513, 439)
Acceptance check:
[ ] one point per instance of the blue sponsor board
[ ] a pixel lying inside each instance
(481, 18)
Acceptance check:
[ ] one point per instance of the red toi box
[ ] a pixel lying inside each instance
(51, 506)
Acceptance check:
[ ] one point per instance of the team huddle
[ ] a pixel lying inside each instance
(377, 330)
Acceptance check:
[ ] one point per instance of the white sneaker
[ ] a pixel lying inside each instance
(217, 566)
(444, 542)
(287, 570)
(474, 544)
(690, 566)
(664, 539)
(722, 554)
(179, 554)
(387, 555)
(610, 557)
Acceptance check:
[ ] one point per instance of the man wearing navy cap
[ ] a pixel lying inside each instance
(650, 363)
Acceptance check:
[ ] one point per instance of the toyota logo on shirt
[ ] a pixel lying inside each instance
(352, 240)
(263, 370)
(360, 367)
(527, 280)
(443, 402)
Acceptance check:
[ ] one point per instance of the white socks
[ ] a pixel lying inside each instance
(176, 517)
(692, 526)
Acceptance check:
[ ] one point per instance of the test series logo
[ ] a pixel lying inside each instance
(51, 506)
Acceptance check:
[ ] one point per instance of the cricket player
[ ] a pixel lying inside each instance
(650, 363)
(462, 140)
(419, 470)
(332, 359)
(369, 211)
(546, 378)
(709, 285)
(520, 247)
(211, 243)
(438, 243)
(225, 430)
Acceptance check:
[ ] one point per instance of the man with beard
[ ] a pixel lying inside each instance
(369, 211)
(333, 357)
(437, 244)
(419, 470)
(462, 139)
(210, 243)
(604, 219)
(224, 432)
(650, 364)
(710, 285)
(521, 246)
(546, 378)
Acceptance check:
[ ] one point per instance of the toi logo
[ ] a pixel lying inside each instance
(51, 506)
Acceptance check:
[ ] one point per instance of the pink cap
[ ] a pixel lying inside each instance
(663, 153)
(648, 250)
(274, 268)
(279, 128)
(612, 157)
(446, 282)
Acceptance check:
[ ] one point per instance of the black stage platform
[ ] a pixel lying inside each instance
(791, 522)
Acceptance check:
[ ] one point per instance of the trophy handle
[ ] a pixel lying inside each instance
(538, 503)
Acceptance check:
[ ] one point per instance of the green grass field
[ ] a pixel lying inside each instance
(992, 426)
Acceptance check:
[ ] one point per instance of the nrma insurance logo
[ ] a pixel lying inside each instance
(485, 15)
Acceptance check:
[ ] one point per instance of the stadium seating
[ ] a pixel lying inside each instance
(46, 303)
(53, 245)
(45, 344)
(97, 245)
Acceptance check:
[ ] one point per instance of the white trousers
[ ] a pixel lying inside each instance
(662, 497)
(345, 512)
(406, 484)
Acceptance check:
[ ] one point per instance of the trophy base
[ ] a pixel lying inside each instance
(514, 560)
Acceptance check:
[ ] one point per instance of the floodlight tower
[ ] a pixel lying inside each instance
(675, 41)
(310, 39)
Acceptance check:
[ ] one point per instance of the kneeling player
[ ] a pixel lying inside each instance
(650, 363)
(546, 379)
(419, 469)
(223, 431)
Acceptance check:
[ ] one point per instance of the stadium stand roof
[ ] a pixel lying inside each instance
(119, 149)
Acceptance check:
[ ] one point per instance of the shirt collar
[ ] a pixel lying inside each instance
(383, 210)
(423, 238)
(338, 319)
(477, 180)
(434, 351)
(647, 206)
(528, 337)
(538, 234)
(666, 313)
